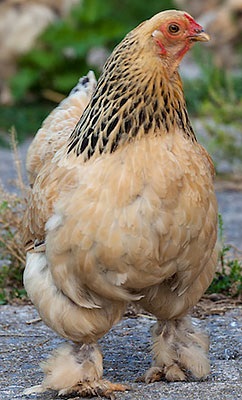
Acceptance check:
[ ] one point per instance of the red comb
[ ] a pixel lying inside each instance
(193, 23)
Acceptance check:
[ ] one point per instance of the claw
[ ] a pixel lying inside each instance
(101, 388)
(154, 374)
(112, 387)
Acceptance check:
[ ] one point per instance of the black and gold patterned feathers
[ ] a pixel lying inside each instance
(129, 103)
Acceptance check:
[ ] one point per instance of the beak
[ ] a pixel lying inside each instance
(200, 36)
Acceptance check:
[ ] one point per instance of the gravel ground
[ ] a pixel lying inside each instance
(126, 356)
(230, 207)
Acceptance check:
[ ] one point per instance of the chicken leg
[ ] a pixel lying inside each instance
(178, 347)
(76, 370)
(81, 367)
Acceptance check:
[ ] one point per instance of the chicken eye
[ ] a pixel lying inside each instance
(173, 28)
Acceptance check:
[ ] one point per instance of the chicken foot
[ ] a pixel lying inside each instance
(98, 388)
(76, 370)
(179, 350)
(89, 358)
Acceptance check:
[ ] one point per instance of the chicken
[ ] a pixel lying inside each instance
(58, 126)
(126, 211)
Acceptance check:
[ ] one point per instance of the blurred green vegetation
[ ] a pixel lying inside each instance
(216, 98)
(60, 55)
(216, 91)
(26, 117)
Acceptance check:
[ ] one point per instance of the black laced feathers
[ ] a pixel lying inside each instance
(128, 103)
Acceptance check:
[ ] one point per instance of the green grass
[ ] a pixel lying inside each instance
(228, 277)
(11, 286)
(25, 117)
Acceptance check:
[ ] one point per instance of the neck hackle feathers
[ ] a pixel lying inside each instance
(138, 93)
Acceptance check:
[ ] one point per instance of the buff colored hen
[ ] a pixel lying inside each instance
(126, 211)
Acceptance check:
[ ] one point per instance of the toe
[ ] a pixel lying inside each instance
(173, 373)
(99, 388)
(154, 374)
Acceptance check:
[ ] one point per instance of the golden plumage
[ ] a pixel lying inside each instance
(127, 212)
